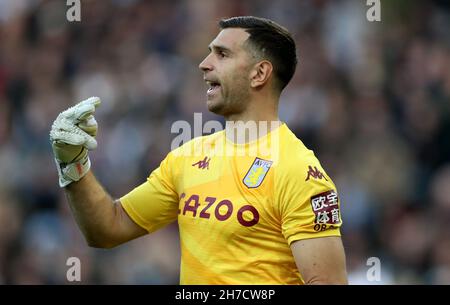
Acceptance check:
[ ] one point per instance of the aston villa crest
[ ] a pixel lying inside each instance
(257, 172)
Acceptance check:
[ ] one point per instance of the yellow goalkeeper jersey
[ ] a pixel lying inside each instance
(239, 206)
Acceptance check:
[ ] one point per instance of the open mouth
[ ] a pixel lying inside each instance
(213, 87)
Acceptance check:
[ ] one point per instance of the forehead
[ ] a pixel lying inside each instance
(231, 38)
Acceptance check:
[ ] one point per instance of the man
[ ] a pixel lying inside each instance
(244, 218)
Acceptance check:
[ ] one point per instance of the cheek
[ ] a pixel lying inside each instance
(238, 77)
(242, 75)
(235, 79)
(241, 82)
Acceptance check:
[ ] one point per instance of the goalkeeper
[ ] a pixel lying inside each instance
(243, 218)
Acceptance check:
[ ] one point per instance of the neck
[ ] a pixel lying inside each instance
(257, 120)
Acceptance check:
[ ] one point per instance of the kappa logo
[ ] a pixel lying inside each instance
(257, 173)
(315, 173)
(202, 164)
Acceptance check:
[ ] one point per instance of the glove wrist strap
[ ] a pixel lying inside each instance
(71, 172)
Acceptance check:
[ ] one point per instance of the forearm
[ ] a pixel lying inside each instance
(104, 223)
(94, 210)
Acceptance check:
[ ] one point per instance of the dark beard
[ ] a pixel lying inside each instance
(216, 108)
(234, 104)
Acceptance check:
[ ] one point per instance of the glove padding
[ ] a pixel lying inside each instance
(72, 135)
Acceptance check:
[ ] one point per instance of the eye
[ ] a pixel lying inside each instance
(221, 54)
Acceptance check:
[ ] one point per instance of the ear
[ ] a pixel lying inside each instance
(261, 73)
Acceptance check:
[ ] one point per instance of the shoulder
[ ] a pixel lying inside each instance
(294, 155)
(198, 146)
(300, 176)
(174, 163)
(297, 163)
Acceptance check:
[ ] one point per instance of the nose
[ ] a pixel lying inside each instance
(206, 65)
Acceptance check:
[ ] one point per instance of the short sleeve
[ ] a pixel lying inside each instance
(154, 203)
(309, 202)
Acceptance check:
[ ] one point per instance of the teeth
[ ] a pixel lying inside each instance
(213, 88)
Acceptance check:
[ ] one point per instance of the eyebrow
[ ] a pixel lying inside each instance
(219, 48)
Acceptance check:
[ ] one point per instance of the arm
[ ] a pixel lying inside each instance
(103, 222)
(321, 260)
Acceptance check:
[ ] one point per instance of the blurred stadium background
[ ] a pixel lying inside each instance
(371, 98)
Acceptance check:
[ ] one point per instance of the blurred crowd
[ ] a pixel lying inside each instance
(372, 99)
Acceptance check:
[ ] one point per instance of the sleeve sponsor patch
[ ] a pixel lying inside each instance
(325, 207)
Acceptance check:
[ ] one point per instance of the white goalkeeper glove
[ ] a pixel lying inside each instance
(72, 135)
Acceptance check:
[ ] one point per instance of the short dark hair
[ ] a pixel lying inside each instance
(271, 41)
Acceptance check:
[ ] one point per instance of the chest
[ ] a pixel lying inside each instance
(231, 195)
